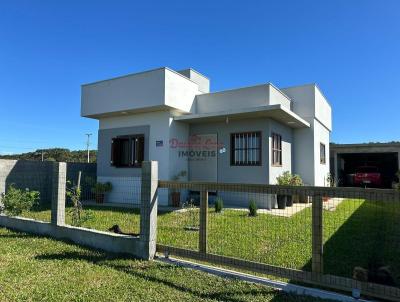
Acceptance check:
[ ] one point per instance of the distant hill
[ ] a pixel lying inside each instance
(55, 154)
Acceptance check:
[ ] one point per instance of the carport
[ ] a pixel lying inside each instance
(346, 158)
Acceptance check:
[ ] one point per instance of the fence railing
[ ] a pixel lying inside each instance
(360, 227)
(342, 238)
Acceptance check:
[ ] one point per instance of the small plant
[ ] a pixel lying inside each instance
(285, 179)
(100, 189)
(219, 204)
(331, 180)
(15, 201)
(289, 179)
(78, 215)
(253, 208)
(193, 216)
(296, 180)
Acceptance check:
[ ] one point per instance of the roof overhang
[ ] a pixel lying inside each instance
(276, 112)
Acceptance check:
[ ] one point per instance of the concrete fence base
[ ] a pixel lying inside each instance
(143, 247)
(108, 242)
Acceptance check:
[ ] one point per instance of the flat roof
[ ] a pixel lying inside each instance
(276, 112)
(363, 145)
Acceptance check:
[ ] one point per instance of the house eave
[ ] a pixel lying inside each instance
(276, 112)
(135, 111)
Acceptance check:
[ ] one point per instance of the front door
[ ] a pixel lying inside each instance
(203, 157)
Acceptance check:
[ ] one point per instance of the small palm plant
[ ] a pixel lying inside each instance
(253, 208)
(219, 204)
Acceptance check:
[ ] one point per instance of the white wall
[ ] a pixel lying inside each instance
(278, 97)
(321, 135)
(310, 104)
(248, 97)
(140, 92)
(287, 137)
(323, 111)
(179, 91)
(202, 81)
(159, 130)
(303, 154)
(179, 131)
(303, 99)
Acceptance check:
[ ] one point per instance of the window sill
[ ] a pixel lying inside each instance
(258, 165)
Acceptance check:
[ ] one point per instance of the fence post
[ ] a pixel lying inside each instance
(58, 191)
(203, 221)
(317, 235)
(148, 209)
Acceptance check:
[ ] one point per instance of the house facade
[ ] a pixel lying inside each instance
(244, 135)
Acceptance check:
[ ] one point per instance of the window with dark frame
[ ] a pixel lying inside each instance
(127, 151)
(322, 153)
(246, 149)
(276, 148)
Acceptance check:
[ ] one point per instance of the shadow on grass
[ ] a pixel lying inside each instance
(369, 236)
(151, 272)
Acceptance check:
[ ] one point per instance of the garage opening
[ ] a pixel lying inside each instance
(386, 164)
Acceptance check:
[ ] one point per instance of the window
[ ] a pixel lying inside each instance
(322, 153)
(246, 149)
(276, 149)
(127, 151)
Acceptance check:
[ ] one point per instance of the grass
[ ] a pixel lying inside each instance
(40, 269)
(356, 232)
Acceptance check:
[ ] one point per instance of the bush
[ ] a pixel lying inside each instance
(253, 208)
(101, 188)
(288, 179)
(219, 204)
(285, 179)
(15, 201)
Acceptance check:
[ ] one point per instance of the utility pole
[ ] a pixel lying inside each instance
(87, 146)
(42, 155)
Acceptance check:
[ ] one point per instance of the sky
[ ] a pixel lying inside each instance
(48, 49)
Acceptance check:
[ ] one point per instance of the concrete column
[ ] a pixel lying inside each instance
(58, 191)
(148, 208)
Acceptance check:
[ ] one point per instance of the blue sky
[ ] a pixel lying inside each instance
(49, 48)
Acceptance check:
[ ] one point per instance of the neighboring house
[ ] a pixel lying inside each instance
(242, 135)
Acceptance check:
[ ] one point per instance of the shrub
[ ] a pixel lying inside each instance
(288, 179)
(15, 201)
(219, 204)
(101, 188)
(284, 179)
(296, 180)
(253, 208)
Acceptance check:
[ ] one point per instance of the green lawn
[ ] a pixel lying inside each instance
(354, 233)
(41, 269)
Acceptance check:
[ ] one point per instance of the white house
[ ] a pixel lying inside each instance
(243, 135)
